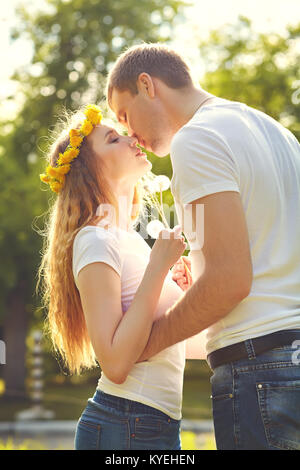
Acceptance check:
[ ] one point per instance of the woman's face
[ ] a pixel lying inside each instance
(121, 159)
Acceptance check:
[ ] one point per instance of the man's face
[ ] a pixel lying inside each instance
(144, 118)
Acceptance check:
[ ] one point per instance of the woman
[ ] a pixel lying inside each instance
(104, 287)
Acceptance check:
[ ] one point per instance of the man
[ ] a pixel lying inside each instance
(244, 168)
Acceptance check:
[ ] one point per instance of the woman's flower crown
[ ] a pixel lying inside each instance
(55, 175)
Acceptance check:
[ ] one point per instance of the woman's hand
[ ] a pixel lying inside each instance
(181, 273)
(167, 248)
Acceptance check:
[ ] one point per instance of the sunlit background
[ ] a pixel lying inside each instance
(200, 17)
(57, 53)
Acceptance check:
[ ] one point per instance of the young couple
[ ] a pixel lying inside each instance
(112, 299)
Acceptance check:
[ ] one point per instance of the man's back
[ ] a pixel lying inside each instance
(235, 147)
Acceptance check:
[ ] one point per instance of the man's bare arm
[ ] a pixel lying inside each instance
(226, 278)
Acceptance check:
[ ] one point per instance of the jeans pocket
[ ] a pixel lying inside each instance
(279, 404)
(87, 435)
(223, 415)
(148, 427)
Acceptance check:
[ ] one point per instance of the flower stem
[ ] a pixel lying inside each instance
(162, 211)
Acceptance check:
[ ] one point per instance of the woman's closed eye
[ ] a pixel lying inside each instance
(114, 140)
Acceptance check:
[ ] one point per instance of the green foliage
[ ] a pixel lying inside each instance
(261, 70)
(74, 44)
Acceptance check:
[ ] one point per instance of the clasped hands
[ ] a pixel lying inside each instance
(181, 273)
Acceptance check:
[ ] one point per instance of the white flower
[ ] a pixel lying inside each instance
(154, 228)
(162, 182)
(152, 187)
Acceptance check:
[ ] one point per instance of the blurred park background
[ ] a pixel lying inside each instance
(56, 53)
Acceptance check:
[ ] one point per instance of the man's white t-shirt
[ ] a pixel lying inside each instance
(157, 382)
(229, 146)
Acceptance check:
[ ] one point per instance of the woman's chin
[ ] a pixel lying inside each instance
(148, 166)
(145, 169)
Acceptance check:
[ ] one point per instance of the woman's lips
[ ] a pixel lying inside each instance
(139, 153)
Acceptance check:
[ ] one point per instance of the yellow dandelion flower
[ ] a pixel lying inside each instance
(74, 132)
(64, 169)
(86, 127)
(64, 158)
(76, 141)
(56, 186)
(55, 176)
(93, 114)
(75, 138)
(51, 171)
(60, 178)
(67, 156)
(44, 178)
(73, 153)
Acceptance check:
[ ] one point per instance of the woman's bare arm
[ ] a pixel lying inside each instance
(117, 339)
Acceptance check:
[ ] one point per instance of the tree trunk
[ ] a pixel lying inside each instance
(15, 330)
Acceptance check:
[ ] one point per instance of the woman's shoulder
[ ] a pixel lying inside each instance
(94, 233)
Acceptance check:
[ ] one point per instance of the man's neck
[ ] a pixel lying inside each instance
(187, 104)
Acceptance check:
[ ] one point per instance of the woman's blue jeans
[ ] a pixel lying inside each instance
(256, 401)
(114, 423)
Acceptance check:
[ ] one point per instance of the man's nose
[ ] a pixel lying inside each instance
(131, 132)
(134, 140)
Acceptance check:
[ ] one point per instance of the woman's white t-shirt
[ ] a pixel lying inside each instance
(157, 382)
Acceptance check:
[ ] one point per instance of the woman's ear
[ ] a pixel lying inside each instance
(145, 84)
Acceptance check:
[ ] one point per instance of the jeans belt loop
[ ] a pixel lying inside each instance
(250, 349)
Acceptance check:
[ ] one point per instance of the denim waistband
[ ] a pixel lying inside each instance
(251, 348)
(126, 406)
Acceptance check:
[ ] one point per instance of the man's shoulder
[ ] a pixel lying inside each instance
(212, 122)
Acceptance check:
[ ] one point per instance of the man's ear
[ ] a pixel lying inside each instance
(145, 84)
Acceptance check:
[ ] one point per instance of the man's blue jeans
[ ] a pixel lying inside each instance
(256, 401)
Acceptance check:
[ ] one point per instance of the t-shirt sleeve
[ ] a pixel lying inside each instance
(92, 245)
(203, 164)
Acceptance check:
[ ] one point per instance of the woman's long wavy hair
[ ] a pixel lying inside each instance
(74, 207)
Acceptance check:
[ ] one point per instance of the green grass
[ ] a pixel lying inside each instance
(189, 441)
(192, 441)
(27, 444)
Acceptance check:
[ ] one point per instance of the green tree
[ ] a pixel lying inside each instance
(74, 43)
(261, 70)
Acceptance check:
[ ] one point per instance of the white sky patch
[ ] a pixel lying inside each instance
(207, 15)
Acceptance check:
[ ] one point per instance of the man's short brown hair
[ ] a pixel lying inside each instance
(155, 59)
